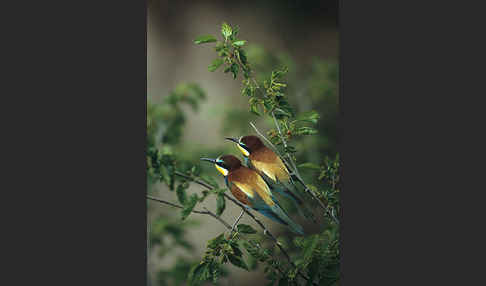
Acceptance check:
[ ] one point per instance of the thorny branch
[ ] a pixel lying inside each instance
(265, 230)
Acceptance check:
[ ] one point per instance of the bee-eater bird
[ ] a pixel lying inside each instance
(248, 187)
(272, 168)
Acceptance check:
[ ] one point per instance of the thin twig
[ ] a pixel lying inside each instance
(264, 138)
(207, 212)
(265, 230)
(280, 132)
(236, 221)
(218, 218)
(180, 174)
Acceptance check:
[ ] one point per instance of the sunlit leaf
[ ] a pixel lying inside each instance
(215, 242)
(181, 192)
(220, 204)
(237, 261)
(309, 116)
(204, 39)
(189, 206)
(239, 43)
(310, 166)
(226, 30)
(215, 64)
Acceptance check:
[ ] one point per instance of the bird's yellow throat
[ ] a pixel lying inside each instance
(243, 150)
(221, 170)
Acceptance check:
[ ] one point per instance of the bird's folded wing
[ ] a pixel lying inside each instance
(256, 189)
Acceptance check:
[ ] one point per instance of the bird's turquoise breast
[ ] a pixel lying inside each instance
(246, 160)
(226, 181)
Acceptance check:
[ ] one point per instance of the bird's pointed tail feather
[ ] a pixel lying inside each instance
(288, 221)
(299, 203)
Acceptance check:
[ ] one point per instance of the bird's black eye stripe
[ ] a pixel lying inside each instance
(245, 147)
(222, 164)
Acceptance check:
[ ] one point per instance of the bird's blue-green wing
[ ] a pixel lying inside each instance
(274, 212)
(286, 189)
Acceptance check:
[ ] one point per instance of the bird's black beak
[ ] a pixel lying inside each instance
(232, 139)
(209, 160)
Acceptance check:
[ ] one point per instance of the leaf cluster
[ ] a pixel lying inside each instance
(265, 98)
(320, 256)
(220, 250)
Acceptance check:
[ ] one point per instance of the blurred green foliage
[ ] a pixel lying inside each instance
(165, 124)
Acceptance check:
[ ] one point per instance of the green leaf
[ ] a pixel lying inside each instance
(226, 30)
(220, 204)
(218, 191)
(280, 113)
(309, 116)
(205, 193)
(252, 263)
(234, 69)
(254, 109)
(210, 180)
(236, 249)
(204, 39)
(189, 206)
(165, 175)
(236, 29)
(306, 131)
(244, 228)
(206, 274)
(181, 192)
(239, 43)
(310, 243)
(215, 271)
(237, 261)
(242, 56)
(215, 242)
(215, 64)
(290, 149)
(267, 103)
(309, 166)
(313, 188)
(219, 46)
(196, 272)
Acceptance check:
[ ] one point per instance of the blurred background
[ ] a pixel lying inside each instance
(302, 35)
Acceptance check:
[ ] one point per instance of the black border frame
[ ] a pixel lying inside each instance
(392, 57)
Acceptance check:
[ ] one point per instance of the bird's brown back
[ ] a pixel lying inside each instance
(267, 162)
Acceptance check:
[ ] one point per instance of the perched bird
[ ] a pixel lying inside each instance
(251, 190)
(272, 168)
